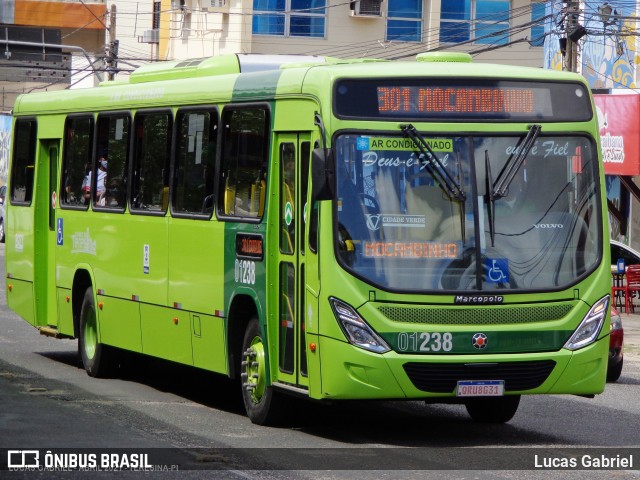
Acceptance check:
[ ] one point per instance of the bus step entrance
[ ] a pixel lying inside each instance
(52, 332)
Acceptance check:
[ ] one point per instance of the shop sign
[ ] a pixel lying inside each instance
(619, 133)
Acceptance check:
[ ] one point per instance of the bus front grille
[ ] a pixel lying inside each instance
(443, 377)
(494, 315)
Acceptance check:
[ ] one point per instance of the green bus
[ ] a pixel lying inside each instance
(323, 228)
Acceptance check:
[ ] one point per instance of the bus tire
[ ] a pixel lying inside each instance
(94, 355)
(260, 401)
(613, 373)
(492, 409)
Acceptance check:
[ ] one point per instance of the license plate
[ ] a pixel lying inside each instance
(480, 388)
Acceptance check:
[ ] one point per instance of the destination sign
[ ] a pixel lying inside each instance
(438, 100)
(249, 246)
(459, 99)
(411, 249)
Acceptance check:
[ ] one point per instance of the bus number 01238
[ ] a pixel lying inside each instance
(245, 272)
(425, 342)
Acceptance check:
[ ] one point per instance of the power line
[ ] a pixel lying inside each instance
(383, 48)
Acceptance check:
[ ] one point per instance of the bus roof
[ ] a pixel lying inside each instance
(259, 77)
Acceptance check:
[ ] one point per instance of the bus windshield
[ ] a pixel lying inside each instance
(528, 216)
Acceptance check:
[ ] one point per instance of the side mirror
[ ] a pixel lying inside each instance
(322, 174)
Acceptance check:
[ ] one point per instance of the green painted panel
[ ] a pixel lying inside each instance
(209, 345)
(65, 311)
(244, 275)
(196, 265)
(114, 247)
(479, 341)
(20, 298)
(586, 371)
(19, 243)
(166, 333)
(350, 372)
(119, 322)
(313, 366)
(295, 115)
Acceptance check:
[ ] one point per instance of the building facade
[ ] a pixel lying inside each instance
(48, 45)
(501, 31)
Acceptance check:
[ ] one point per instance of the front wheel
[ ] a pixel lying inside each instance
(260, 401)
(94, 355)
(492, 409)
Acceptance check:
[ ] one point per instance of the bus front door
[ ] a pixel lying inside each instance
(45, 233)
(293, 159)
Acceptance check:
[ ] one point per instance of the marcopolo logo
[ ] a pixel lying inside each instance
(477, 299)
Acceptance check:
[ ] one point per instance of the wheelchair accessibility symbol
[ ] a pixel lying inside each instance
(60, 232)
(497, 270)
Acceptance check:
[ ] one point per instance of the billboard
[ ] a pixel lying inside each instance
(619, 133)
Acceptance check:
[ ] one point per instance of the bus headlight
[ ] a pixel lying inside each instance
(356, 329)
(590, 327)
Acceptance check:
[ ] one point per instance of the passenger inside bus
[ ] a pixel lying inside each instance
(86, 185)
(101, 187)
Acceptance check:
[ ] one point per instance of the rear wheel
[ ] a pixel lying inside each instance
(262, 404)
(492, 409)
(94, 355)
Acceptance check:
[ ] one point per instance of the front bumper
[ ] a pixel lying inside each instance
(349, 372)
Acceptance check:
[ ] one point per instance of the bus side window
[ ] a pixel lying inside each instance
(76, 166)
(152, 145)
(194, 162)
(113, 147)
(287, 193)
(24, 156)
(244, 159)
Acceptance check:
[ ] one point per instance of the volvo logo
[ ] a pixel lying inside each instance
(549, 225)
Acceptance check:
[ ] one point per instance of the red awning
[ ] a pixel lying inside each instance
(619, 132)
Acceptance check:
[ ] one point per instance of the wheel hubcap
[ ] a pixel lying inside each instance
(253, 373)
(90, 335)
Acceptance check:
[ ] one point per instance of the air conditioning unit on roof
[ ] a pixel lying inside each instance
(219, 6)
(366, 8)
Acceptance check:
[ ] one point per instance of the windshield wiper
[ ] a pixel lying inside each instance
(434, 166)
(500, 188)
(491, 199)
(508, 173)
(438, 172)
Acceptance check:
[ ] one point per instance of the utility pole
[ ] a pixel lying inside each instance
(574, 32)
(112, 47)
